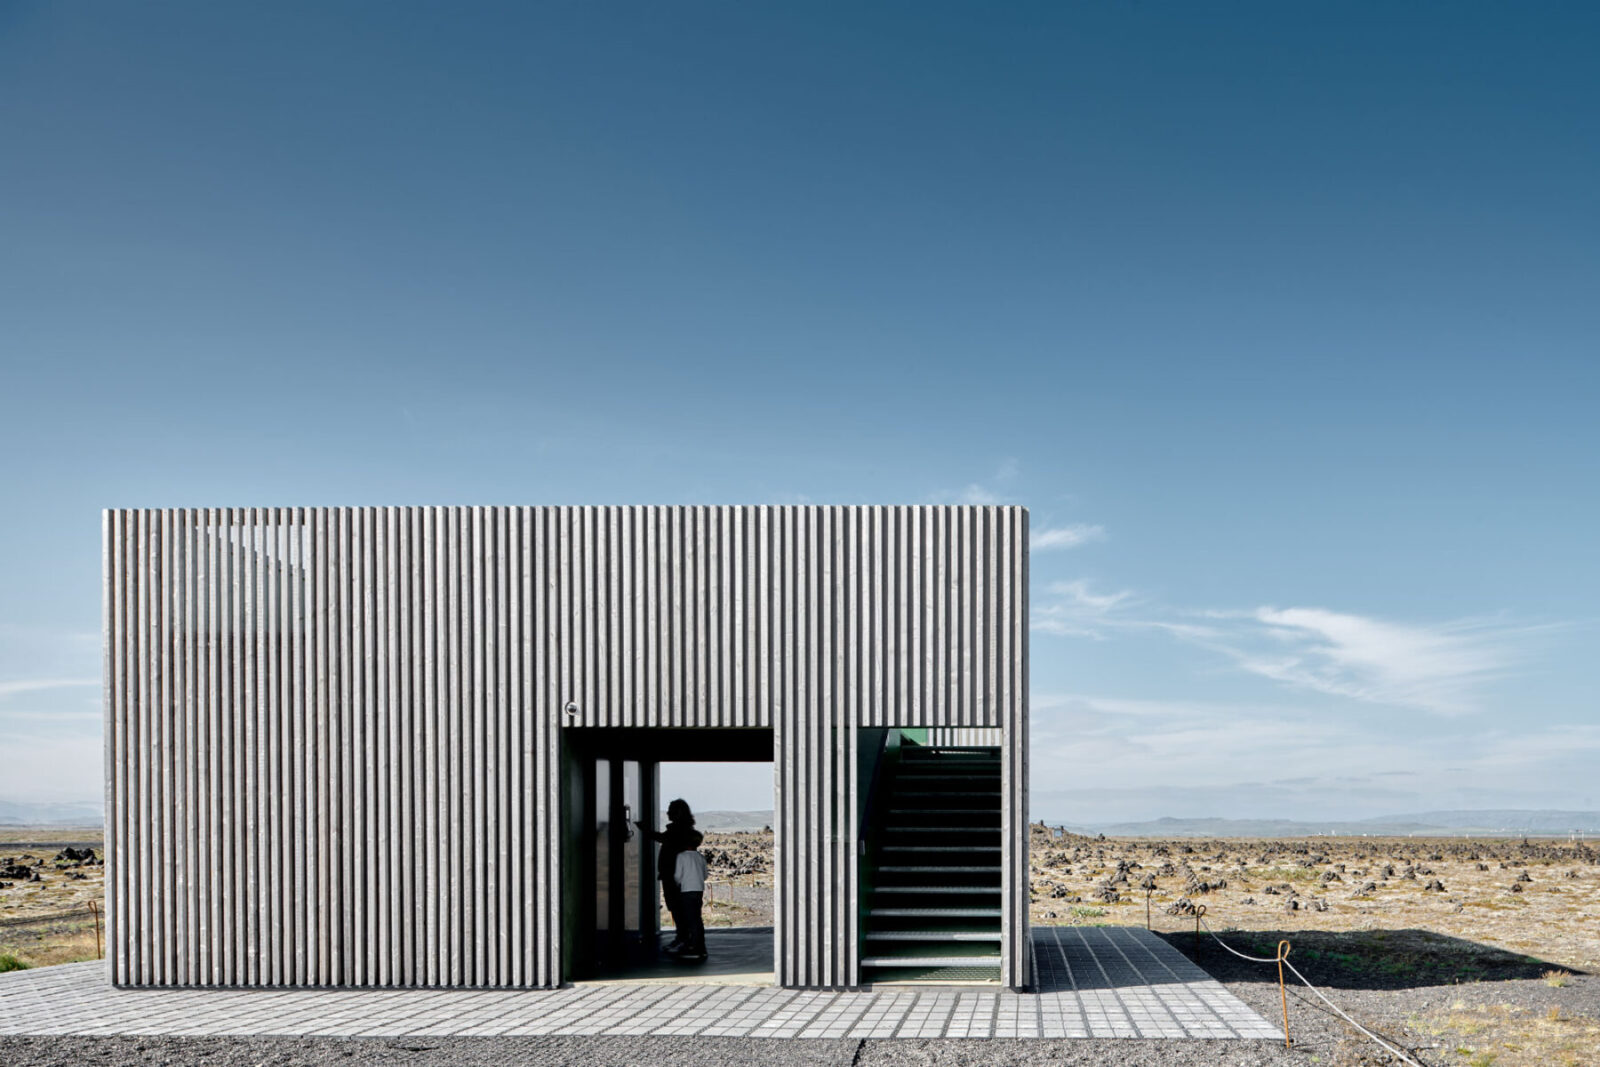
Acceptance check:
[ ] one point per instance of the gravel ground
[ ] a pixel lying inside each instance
(1399, 1015)
(629, 1052)
(1320, 1038)
(425, 1052)
(1408, 1005)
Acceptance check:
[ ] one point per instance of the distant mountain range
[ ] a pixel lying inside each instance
(1483, 823)
(28, 813)
(728, 822)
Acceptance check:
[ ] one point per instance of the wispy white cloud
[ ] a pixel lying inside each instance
(1079, 593)
(1074, 609)
(993, 490)
(47, 651)
(49, 716)
(1436, 667)
(58, 716)
(52, 766)
(34, 685)
(1143, 758)
(969, 494)
(999, 490)
(1066, 536)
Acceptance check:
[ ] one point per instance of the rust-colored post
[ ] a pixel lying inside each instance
(1283, 993)
(94, 909)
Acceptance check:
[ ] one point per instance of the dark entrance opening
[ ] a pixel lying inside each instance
(611, 910)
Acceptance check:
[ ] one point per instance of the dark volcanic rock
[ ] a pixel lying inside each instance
(75, 856)
(14, 870)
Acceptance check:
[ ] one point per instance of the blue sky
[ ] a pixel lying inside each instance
(1280, 318)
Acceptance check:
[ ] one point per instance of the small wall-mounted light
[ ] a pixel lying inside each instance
(571, 709)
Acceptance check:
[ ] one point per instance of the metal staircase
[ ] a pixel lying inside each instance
(933, 872)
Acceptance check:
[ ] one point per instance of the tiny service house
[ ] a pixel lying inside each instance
(405, 746)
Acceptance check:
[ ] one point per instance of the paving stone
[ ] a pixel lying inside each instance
(1092, 982)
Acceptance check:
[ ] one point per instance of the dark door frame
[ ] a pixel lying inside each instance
(581, 748)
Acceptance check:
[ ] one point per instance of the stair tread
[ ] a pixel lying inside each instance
(941, 848)
(933, 935)
(970, 756)
(936, 772)
(924, 977)
(930, 961)
(965, 761)
(934, 913)
(933, 770)
(951, 770)
(967, 890)
(945, 811)
(957, 937)
(950, 761)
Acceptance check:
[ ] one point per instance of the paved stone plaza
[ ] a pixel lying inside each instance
(1093, 982)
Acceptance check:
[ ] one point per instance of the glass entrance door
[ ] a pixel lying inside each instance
(633, 850)
(623, 863)
(604, 865)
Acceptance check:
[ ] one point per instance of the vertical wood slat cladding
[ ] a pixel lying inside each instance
(333, 743)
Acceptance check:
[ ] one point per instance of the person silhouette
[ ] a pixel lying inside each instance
(679, 836)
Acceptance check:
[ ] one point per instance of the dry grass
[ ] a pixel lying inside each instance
(59, 892)
(56, 891)
(1555, 917)
(90, 835)
(1506, 1035)
(48, 946)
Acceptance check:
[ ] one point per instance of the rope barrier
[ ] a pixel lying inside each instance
(1241, 955)
(1282, 960)
(47, 917)
(1346, 1017)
